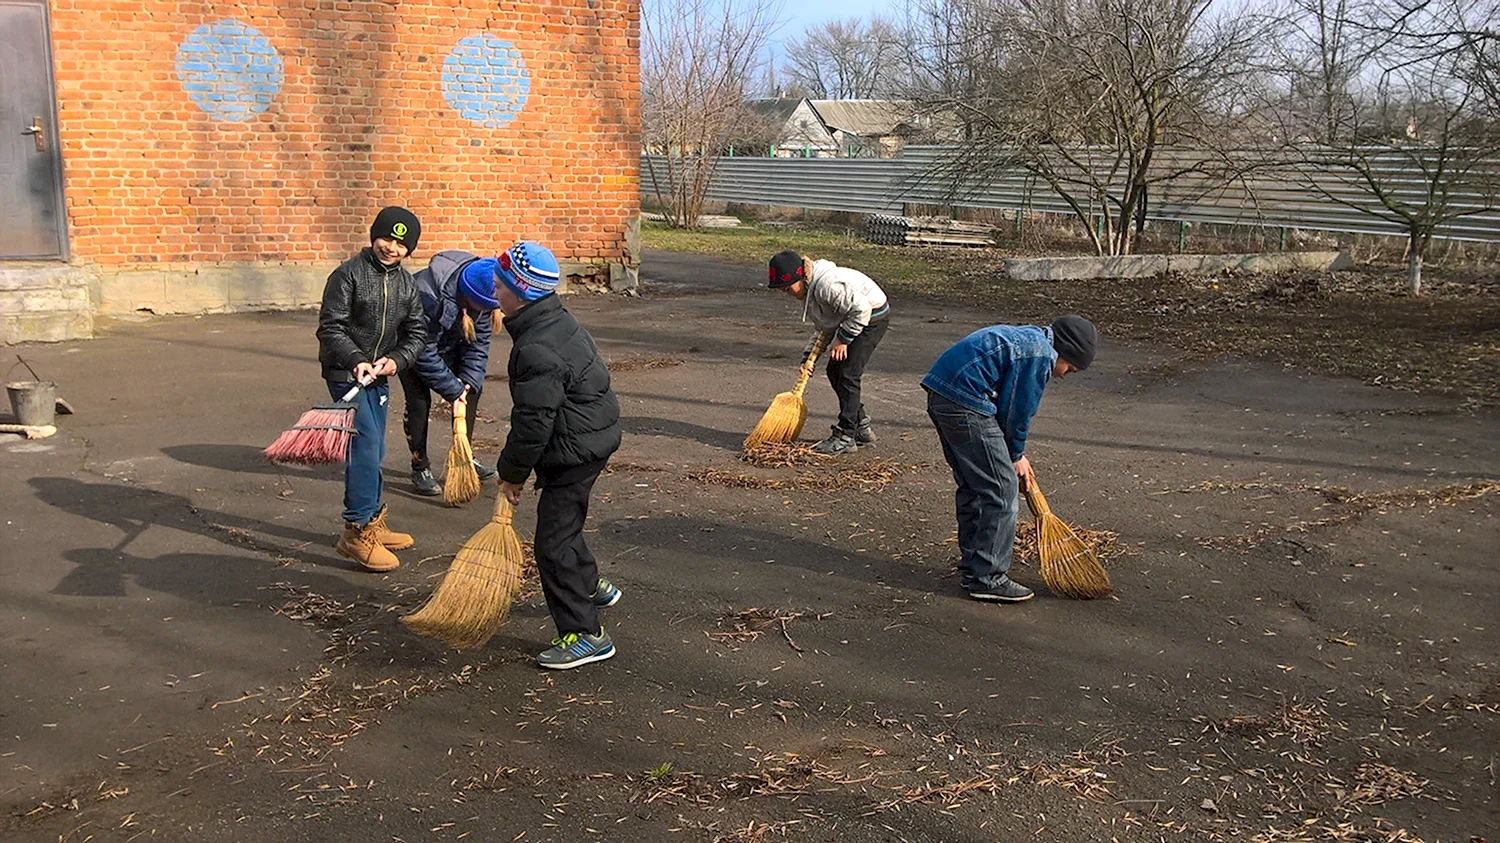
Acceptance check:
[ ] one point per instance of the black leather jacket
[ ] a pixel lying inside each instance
(369, 311)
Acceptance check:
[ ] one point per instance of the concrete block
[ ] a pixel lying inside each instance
(1067, 269)
(44, 302)
(273, 286)
(117, 292)
(624, 279)
(633, 242)
(46, 327)
(67, 299)
(196, 291)
(1146, 266)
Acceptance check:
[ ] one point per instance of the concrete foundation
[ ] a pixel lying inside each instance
(51, 302)
(1146, 266)
(44, 302)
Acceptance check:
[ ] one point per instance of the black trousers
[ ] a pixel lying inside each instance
(845, 375)
(568, 570)
(418, 410)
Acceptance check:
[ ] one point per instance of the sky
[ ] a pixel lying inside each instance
(800, 14)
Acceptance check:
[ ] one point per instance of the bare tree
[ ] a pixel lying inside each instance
(846, 59)
(1100, 101)
(698, 60)
(1417, 137)
(952, 52)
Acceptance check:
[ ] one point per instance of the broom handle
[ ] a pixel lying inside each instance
(504, 512)
(354, 390)
(807, 366)
(460, 418)
(1036, 500)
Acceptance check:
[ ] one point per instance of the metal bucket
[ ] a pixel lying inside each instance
(34, 402)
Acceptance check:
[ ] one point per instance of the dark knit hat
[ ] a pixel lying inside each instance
(787, 269)
(477, 283)
(1074, 337)
(397, 223)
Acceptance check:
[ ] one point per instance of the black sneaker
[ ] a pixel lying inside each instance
(425, 484)
(864, 434)
(1008, 591)
(486, 472)
(837, 444)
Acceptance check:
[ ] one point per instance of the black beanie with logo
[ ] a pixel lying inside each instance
(397, 223)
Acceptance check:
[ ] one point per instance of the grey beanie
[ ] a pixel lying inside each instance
(1074, 337)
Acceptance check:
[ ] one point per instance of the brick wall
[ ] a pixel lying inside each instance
(266, 133)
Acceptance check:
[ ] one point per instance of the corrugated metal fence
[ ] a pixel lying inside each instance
(1273, 197)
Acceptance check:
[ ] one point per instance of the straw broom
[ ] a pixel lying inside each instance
(783, 420)
(472, 600)
(461, 484)
(1069, 566)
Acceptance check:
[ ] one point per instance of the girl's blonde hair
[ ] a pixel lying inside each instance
(469, 334)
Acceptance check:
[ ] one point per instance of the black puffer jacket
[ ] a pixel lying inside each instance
(563, 412)
(369, 311)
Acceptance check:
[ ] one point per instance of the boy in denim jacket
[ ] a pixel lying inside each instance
(981, 395)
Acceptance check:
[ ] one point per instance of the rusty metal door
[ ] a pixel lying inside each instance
(32, 216)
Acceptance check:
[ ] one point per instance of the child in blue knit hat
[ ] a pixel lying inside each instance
(457, 291)
(564, 425)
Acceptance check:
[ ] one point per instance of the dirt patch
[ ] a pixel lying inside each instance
(636, 364)
(1359, 323)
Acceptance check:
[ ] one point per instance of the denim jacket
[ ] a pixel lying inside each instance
(999, 371)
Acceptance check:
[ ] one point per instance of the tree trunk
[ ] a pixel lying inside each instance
(1414, 272)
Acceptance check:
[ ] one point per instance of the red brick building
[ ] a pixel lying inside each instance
(190, 157)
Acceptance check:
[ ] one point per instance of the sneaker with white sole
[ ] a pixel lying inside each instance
(576, 650)
(606, 594)
(1008, 591)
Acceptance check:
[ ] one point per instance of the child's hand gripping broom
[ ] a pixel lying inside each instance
(321, 436)
(472, 600)
(1069, 566)
(783, 421)
(461, 484)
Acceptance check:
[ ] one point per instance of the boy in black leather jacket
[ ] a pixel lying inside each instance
(371, 327)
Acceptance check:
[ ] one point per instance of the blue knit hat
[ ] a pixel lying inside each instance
(477, 283)
(528, 270)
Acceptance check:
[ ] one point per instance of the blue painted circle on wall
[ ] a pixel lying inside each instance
(229, 69)
(485, 80)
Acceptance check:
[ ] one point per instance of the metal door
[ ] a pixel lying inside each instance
(32, 216)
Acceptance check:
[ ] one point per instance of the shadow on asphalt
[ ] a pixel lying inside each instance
(246, 459)
(133, 510)
(1260, 456)
(732, 541)
(207, 578)
(650, 426)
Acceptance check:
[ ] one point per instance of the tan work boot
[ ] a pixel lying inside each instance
(386, 536)
(362, 545)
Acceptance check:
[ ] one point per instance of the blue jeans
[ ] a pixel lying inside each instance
(986, 504)
(362, 481)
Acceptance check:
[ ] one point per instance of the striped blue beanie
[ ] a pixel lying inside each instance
(477, 283)
(528, 270)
